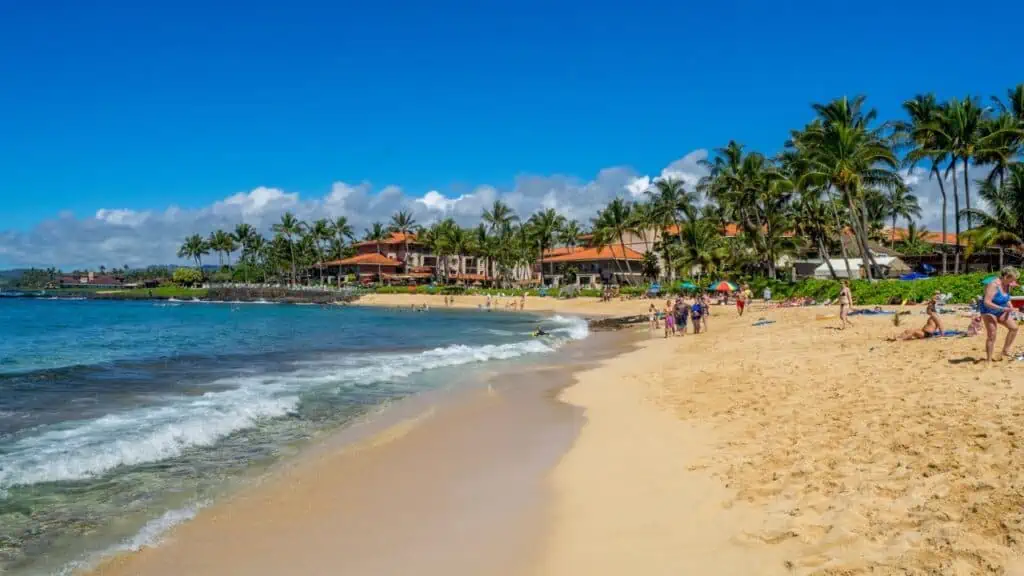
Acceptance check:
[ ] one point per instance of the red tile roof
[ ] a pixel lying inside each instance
(900, 234)
(395, 238)
(593, 254)
(372, 259)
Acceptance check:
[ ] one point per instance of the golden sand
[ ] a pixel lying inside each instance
(590, 307)
(794, 448)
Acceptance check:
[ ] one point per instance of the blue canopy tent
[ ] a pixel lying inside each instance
(654, 289)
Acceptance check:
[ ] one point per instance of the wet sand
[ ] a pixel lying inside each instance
(457, 486)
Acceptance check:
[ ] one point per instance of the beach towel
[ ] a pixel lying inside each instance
(870, 312)
(954, 333)
(763, 322)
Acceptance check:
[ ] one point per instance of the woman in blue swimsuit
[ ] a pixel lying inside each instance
(995, 309)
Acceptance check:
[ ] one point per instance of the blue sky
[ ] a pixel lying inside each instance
(136, 107)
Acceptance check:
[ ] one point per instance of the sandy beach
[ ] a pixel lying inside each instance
(587, 307)
(787, 448)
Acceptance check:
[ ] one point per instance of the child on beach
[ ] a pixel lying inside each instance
(845, 303)
(670, 326)
(652, 318)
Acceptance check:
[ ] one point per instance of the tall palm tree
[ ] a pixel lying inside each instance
(850, 155)
(258, 253)
(544, 229)
(403, 223)
(499, 216)
(320, 231)
(900, 203)
(194, 247)
(670, 201)
(243, 234)
(611, 225)
(483, 247)
(376, 233)
(289, 227)
(926, 145)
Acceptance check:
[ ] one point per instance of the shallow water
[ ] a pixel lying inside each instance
(119, 419)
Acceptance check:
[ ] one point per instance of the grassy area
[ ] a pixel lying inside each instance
(135, 293)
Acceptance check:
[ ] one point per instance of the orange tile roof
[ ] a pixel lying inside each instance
(731, 230)
(603, 253)
(559, 251)
(900, 234)
(395, 238)
(371, 259)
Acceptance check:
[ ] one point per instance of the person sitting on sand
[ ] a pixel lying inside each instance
(845, 304)
(995, 309)
(930, 329)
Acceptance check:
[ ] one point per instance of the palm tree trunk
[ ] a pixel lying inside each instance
(828, 261)
(622, 244)
(855, 224)
(967, 192)
(892, 232)
(942, 190)
(956, 221)
(842, 237)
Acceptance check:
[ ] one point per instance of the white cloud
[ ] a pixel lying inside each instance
(114, 237)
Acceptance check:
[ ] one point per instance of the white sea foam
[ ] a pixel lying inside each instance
(151, 534)
(575, 327)
(88, 449)
(81, 450)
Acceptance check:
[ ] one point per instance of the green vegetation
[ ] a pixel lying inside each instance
(187, 276)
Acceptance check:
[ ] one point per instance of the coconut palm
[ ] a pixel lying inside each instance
(194, 247)
(1003, 223)
(403, 223)
(319, 232)
(569, 235)
(850, 155)
(544, 229)
(376, 233)
(611, 226)
(900, 203)
(288, 228)
(701, 245)
(926, 145)
(916, 242)
(499, 216)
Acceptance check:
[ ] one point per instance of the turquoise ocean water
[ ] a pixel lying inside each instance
(120, 419)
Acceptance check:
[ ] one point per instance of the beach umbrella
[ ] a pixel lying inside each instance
(723, 286)
(688, 286)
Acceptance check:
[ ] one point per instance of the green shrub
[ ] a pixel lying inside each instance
(187, 276)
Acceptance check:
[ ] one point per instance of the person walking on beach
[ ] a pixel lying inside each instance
(683, 316)
(845, 303)
(652, 318)
(670, 325)
(995, 309)
(705, 307)
(932, 309)
(697, 313)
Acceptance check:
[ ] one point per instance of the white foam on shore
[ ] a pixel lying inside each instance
(86, 449)
(151, 534)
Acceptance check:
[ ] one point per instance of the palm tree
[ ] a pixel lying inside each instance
(459, 242)
(900, 203)
(701, 245)
(257, 253)
(1003, 223)
(289, 227)
(670, 200)
(321, 231)
(194, 247)
(483, 247)
(222, 243)
(611, 225)
(848, 154)
(926, 145)
(499, 216)
(569, 235)
(916, 243)
(545, 227)
(244, 234)
(403, 223)
(376, 233)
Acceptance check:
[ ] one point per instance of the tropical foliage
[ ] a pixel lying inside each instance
(836, 186)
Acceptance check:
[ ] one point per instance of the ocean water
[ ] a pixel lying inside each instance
(120, 419)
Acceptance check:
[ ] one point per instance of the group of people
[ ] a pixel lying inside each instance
(681, 312)
(512, 303)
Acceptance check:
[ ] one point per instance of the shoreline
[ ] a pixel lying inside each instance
(479, 459)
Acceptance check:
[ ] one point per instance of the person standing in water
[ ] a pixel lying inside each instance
(845, 303)
(995, 309)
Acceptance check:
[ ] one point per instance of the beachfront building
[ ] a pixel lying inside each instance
(592, 266)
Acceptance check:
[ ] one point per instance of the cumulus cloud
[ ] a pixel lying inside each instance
(121, 235)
